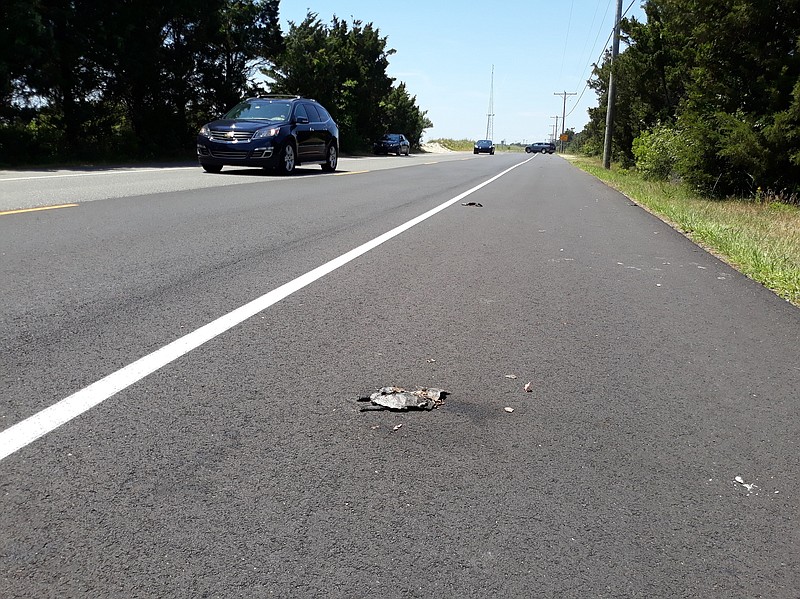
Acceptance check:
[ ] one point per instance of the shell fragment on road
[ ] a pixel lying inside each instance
(397, 398)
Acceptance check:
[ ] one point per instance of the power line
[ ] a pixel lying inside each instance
(566, 37)
(605, 47)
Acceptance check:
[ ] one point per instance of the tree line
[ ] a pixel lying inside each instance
(135, 79)
(708, 92)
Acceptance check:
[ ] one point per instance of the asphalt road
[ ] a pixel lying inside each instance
(656, 454)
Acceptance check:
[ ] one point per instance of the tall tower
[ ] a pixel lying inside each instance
(490, 114)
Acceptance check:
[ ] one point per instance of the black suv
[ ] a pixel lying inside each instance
(278, 132)
(543, 146)
(392, 142)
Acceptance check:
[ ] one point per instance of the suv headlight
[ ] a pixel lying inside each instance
(266, 132)
(205, 131)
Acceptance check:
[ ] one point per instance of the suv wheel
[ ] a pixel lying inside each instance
(544, 150)
(331, 159)
(286, 159)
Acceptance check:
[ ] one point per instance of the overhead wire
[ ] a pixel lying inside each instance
(591, 27)
(566, 37)
(605, 47)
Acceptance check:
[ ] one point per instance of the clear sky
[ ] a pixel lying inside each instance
(446, 50)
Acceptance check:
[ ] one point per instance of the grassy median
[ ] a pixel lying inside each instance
(760, 238)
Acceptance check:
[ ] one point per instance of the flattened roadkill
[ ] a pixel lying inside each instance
(399, 399)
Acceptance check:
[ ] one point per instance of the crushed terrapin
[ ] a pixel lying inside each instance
(397, 398)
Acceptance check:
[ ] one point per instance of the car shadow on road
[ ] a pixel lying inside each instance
(300, 171)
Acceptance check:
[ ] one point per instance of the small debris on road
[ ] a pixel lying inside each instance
(509, 410)
(528, 387)
(398, 427)
(511, 376)
(747, 486)
(475, 204)
(397, 398)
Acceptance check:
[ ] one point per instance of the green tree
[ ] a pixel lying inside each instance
(230, 46)
(174, 66)
(344, 67)
(723, 74)
(404, 116)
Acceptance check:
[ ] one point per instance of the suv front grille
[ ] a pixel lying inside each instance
(227, 154)
(231, 135)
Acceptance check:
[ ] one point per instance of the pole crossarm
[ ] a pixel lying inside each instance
(563, 113)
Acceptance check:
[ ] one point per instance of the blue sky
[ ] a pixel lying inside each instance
(446, 50)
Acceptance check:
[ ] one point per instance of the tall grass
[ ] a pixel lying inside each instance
(456, 145)
(759, 238)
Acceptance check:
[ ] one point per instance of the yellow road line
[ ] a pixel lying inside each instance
(352, 173)
(37, 209)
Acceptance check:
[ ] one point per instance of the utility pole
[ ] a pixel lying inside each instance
(612, 90)
(564, 110)
(555, 127)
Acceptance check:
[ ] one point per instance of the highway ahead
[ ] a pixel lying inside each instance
(182, 355)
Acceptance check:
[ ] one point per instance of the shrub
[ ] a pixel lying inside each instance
(658, 152)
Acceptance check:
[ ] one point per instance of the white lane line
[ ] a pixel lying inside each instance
(95, 174)
(27, 431)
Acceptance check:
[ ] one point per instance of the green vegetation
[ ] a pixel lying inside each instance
(456, 145)
(97, 81)
(708, 93)
(344, 68)
(707, 129)
(759, 236)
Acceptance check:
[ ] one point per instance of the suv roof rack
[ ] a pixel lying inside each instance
(277, 97)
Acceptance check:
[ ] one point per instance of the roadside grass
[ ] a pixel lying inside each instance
(456, 145)
(760, 239)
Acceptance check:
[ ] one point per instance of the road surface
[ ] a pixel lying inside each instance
(183, 354)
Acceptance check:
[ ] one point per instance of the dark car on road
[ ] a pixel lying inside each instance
(483, 146)
(279, 132)
(544, 147)
(396, 143)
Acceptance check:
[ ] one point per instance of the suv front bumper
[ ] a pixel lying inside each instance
(250, 154)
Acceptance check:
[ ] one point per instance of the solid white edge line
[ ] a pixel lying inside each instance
(27, 431)
(97, 174)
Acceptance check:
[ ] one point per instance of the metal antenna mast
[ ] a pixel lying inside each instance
(490, 114)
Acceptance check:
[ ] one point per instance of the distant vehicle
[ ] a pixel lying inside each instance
(279, 132)
(392, 142)
(544, 147)
(483, 146)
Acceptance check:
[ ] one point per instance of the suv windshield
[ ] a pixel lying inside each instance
(264, 110)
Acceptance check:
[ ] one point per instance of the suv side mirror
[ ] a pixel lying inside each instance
(301, 120)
